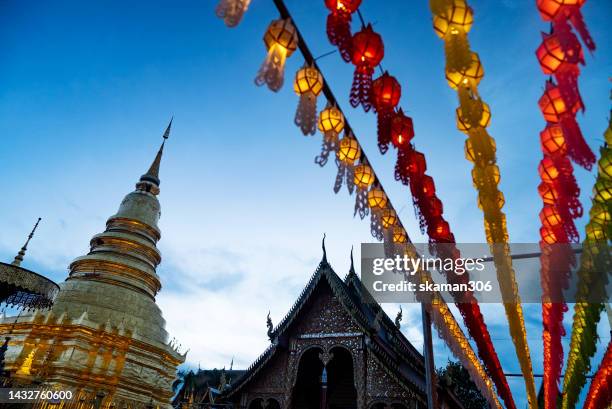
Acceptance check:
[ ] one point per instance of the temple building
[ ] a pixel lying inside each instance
(104, 338)
(336, 348)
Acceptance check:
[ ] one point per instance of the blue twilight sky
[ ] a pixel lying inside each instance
(86, 89)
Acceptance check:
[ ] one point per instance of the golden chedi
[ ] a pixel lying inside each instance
(104, 337)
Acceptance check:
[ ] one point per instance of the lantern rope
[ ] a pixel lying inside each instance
(559, 55)
(396, 240)
(592, 278)
(452, 21)
(395, 127)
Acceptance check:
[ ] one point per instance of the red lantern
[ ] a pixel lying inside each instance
(549, 172)
(386, 92)
(434, 208)
(548, 236)
(559, 11)
(402, 129)
(367, 52)
(550, 217)
(428, 186)
(410, 165)
(339, 24)
(439, 230)
(548, 193)
(552, 104)
(553, 140)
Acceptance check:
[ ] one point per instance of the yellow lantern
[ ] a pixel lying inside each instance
(377, 199)
(599, 214)
(452, 26)
(594, 231)
(480, 147)
(608, 134)
(281, 41)
(388, 218)
(469, 76)
(331, 122)
(464, 125)
(348, 150)
(605, 163)
(364, 176)
(399, 235)
(308, 85)
(485, 176)
(602, 191)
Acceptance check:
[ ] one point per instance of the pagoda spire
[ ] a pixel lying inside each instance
(19, 257)
(150, 180)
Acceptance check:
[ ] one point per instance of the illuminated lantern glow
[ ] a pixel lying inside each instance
(386, 93)
(439, 230)
(550, 217)
(452, 26)
(560, 11)
(491, 204)
(417, 165)
(339, 24)
(553, 140)
(552, 55)
(595, 231)
(281, 41)
(435, 208)
(550, 9)
(485, 119)
(388, 218)
(486, 176)
(402, 129)
(548, 236)
(548, 193)
(428, 186)
(348, 150)
(602, 191)
(399, 235)
(605, 163)
(469, 76)
(232, 11)
(480, 149)
(377, 199)
(552, 104)
(364, 176)
(548, 170)
(331, 122)
(367, 52)
(308, 85)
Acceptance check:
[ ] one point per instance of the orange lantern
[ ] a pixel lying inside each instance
(399, 235)
(377, 199)
(548, 236)
(364, 176)
(550, 217)
(548, 170)
(550, 9)
(550, 54)
(552, 104)
(553, 140)
(548, 193)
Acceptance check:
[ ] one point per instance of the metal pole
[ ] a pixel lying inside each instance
(429, 360)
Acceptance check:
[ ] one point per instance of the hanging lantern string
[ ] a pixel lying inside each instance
(325, 55)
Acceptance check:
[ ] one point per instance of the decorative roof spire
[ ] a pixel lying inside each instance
(21, 254)
(352, 269)
(151, 177)
(324, 259)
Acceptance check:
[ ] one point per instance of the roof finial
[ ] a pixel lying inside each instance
(324, 252)
(19, 257)
(152, 175)
(352, 269)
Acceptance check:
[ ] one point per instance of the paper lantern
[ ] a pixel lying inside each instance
(308, 85)
(602, 191)
(550, 217)
(548, 170)
(434, 208)
(550, 9)
(487, 176)
(595, 231)
(599, 214)
(331, 121)
(491, 204)
(402, 129)
(232, 11)
(439, 230)
(377, 199)
(552, 104)
(547, 235)
(480, 148)
(552, 53)
(399, 235)
(364, 176)
(553, 140)
(367, 52)
(428, 187)
(348, 150)
(464, 126)
(281, 41)
(605, 163)
(469, 76)
(339, 24)
(452, 26)
(417, 164)
(386, 92)
(548, 193)
(388, 218)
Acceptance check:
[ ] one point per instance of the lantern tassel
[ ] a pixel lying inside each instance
(306, 114)
(384, 130)
(330, 144)
(272, 69)
(376, 225)
(361, 203)
(457, 50)
(362, 85)
(578, 149)
(339, 33)
(232, 11)
(580, 26)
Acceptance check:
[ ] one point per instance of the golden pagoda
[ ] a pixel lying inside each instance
(104, 338)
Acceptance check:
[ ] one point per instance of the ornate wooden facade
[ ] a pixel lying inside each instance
(337, 345)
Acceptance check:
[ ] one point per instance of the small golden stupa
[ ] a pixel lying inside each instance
(104, 338)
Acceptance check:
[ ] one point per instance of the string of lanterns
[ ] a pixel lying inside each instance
(396, 128)
(592, 279)
(559, 55)
(452, 20)
(355, 171)
(600, 393)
